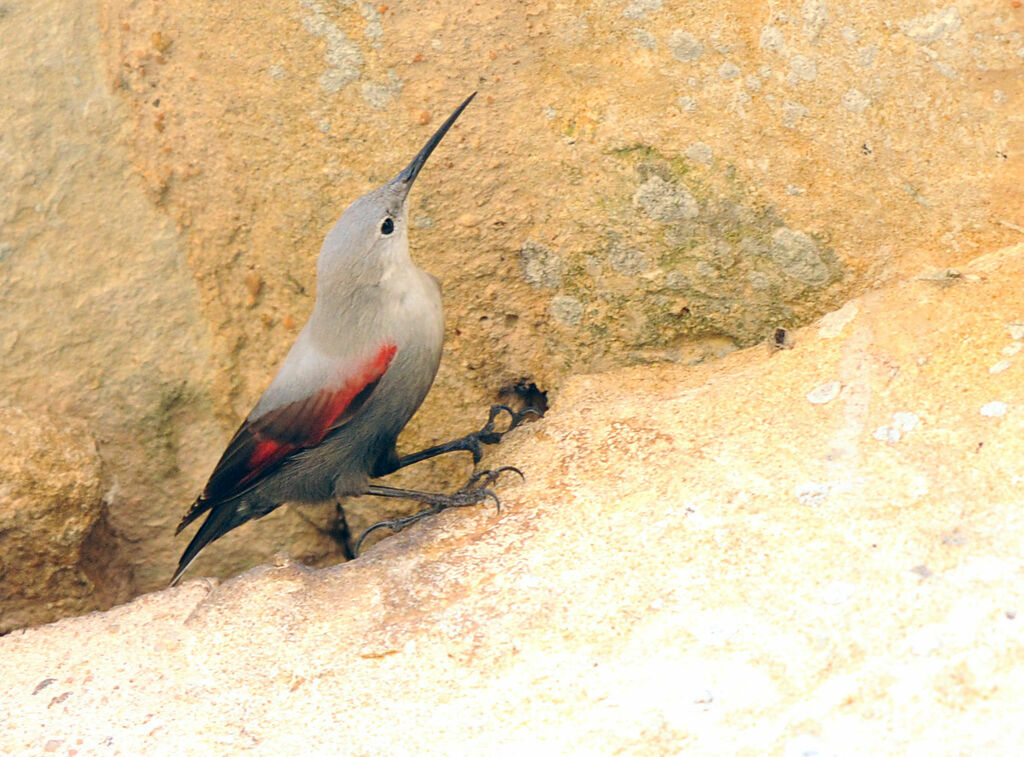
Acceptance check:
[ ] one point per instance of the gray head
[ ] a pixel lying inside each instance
(373, 231)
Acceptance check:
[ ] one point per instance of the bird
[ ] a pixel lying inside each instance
(358, 370)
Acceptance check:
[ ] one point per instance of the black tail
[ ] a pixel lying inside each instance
(222, 518)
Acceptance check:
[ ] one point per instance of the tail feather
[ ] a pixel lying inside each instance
(200, 506)
(222, 518)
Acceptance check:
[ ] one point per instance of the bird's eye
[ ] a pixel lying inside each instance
(387, 227)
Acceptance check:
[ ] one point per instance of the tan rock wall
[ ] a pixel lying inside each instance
(637, 181)
(59, 556)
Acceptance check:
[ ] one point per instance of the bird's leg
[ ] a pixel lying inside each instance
(475, 491)
(472, 443)
(337, 529)
(341, 533)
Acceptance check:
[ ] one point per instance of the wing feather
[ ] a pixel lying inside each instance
(261, 444)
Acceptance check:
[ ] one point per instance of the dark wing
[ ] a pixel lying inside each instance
(263, 443)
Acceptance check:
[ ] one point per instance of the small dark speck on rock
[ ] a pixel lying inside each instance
(954, 539)
(922, 570)
(1011, 614)
(42, 685)
(782, 339)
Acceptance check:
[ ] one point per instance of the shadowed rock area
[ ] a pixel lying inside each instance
(816, 550)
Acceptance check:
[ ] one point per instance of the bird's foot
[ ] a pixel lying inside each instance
(489, 435)
(476, 490)
(472, 443)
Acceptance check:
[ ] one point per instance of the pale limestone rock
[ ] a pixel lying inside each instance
(696, 563)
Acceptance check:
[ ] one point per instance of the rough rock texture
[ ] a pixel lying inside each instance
(53, 531)
(637, 181)
(101, 316)
(812, 551)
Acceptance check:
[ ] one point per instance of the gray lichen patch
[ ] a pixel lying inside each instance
(665, 201)
(541, 267)
(343, 59)
(684, 46)
(567, 310)
(687, 255)
(797, 255)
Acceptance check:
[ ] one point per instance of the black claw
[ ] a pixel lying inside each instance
(367, 532)
(490, 476)
(489, 436)
(467, 496)
(512, 468)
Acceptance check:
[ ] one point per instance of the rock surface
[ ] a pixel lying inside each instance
(638, 181)
(53, 531)
(702, 560)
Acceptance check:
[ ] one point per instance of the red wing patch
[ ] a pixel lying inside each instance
(259, 446)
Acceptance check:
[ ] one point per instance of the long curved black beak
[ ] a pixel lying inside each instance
(411, 171)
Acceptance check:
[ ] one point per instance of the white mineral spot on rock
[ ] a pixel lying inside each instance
(994, 409)
(638, 8)
(684, 46)
(946, 70)
(699, 152)
(887, 434)
(815, 16)
(812, 493)
(825, 393)
(854, 101)
(276, 71)
(792, 112)
(999, 367)
(1016, 329)
(933, 26)
(866, 55)
(687, 104)
(645, 39)
(1012, 349)
(832, 324)
(377, 96)
(838, 592)
(801, 68)
(772, 39)
(998, 97)
(849, 34)
(905, 421)
(728, 71)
